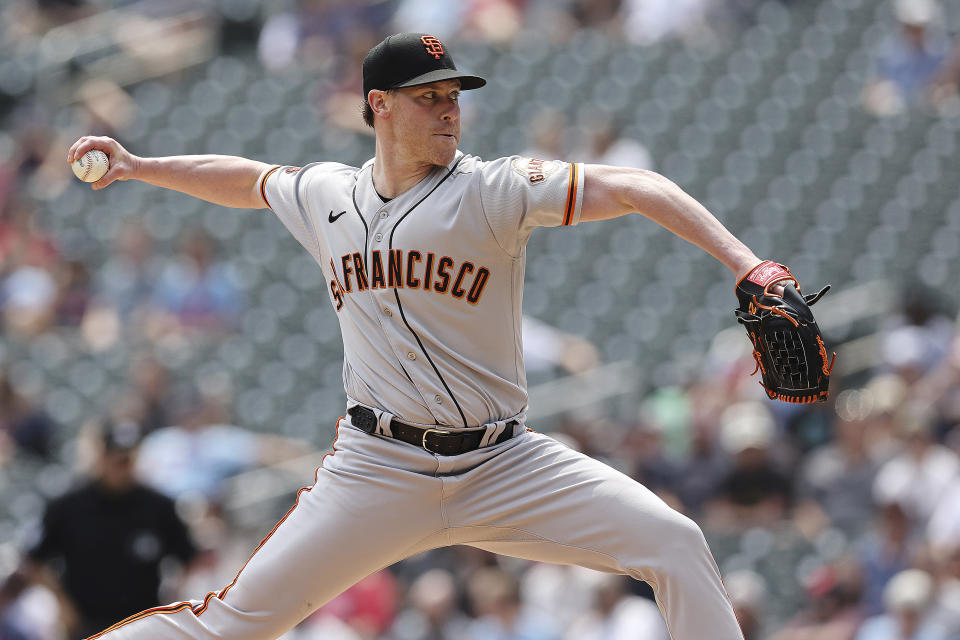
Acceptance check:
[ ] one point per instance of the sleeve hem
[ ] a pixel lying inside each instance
(263, 184)
(574, 201)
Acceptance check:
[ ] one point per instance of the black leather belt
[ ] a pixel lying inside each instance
(441, 441)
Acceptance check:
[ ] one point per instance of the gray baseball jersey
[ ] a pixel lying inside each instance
(428, 286)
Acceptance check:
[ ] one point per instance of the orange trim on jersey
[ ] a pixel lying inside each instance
(203, 606)
(571, 195)
(171, 608)
(263, 185)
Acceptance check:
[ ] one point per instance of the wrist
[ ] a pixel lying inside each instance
(139, 167)
(743, 264)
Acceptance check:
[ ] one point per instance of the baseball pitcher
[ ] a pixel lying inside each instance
(423, 254)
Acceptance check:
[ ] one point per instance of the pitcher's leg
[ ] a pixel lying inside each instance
(365, 511)
(543, 501)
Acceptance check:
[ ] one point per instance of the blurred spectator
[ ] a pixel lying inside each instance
(41, 15)
(670, 407)
(945, 612)
(907, 599)
(40, 172)
(909, 60)
(548, 136)
(22, 240)
(34, 140)
(429, 16)
(28, 290)
(123, 290)
(101, 545)
(946, 92)
(605, 145)
(561, 592)
(943, 531)
(702, 469)
(941, 386)
(107, 108)
(880, 404)
(495, 596)
(838, 477)
(23, 424)
(74, 291)
(595, 14)
(339, 99)
(317, 29)
(748, 591)
(545, 346)
(432, 612)
(194, 458)
(918, 338)
(617, 615)
(644, 449)
(754, 492)
(485, 20)
(196, 291)
(648, 21)
(8, 171)
(28, 298)
(126, 282)
(152, 392)
(832, 612)
(886, 550)
(495, 21)
(367, 609)
(919, 476)
(27, 612)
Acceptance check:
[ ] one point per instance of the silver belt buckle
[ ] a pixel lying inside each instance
(426, 432)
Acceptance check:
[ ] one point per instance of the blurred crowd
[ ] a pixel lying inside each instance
(837, 522)
(917, 64)
(829, 522)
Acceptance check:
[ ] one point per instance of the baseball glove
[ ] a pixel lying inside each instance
(787, 344)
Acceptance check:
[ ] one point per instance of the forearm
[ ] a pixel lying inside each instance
(671, 207)
(229, 181)
(614, 191)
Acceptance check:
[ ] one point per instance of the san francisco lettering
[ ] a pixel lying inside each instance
(408, 270)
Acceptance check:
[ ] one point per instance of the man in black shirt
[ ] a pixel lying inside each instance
(102, 544)
(754, 491)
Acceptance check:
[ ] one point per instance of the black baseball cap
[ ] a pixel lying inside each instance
(408, 59)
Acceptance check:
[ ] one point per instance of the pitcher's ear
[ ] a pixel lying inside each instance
(379, 103)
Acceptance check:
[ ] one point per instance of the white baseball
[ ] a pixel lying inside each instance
(91, 166)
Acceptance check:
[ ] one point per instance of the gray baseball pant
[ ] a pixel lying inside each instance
(377, 501)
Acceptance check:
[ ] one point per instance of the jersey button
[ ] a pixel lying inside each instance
(383, 214)
(378, 237)
(438, 399)
(411, 356)
(387, 312)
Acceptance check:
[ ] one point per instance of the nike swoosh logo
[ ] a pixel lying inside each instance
(333, 218)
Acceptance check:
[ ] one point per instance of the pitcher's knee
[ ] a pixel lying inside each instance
(682, 550)
(686, 536)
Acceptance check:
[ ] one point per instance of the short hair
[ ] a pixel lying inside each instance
(367, 111)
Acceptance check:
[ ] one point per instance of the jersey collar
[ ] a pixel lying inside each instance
(429, 179)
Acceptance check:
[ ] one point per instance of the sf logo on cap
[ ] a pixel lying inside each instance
(434, 46)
